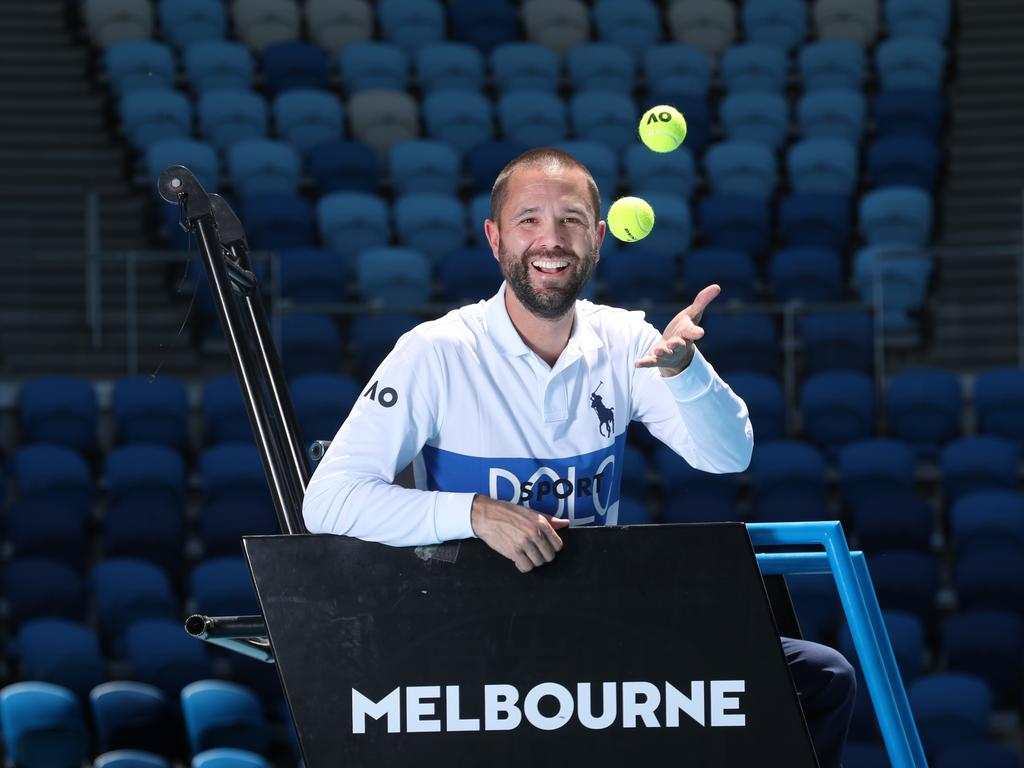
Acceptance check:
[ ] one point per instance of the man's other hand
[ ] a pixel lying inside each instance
(525, 537)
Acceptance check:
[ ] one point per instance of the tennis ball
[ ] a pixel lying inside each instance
(662, 128)
(631, 219)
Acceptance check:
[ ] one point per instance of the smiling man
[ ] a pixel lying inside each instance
(513, 411)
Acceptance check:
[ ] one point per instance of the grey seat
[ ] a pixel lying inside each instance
(112, 21)
(556, 24)
(706, 24)
(334, 24)
(260, 23)
(855, 20)
(383, 118)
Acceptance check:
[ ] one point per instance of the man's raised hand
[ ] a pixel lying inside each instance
(675, 349)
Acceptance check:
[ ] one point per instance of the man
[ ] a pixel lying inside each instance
(514, 411)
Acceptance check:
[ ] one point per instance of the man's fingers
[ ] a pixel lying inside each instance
(550, 532)
(532, 551)
(704, 298)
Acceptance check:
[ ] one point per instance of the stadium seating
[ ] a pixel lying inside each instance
(706, 24)
(139, 65)
(131, 715)
(213, 65)
(449, 67)
(42, 725)
(411, 24)
(999, 403)
(372, 65)
(337, 25)
(220, 714)
(184, 22)
(262, 23)
(292, 65)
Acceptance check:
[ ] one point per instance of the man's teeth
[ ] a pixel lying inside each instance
(550, 264)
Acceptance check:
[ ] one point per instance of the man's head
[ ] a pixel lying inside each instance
(545, 229)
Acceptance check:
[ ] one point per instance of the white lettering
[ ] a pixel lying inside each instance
(607, 481)
(390, 705)
(557, 720)
(720, 702)
(453, 718)
(609, 706)
(633, 707)
(416, 708)
(676, 701)
(500, 710)
(497, 473)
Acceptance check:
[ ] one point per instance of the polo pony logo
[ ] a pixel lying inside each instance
(605, 415)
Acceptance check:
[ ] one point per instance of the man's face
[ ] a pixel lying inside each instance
(547, 240)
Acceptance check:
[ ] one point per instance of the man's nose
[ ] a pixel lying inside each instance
(552, 235)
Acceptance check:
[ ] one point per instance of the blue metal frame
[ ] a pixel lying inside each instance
(863, 615)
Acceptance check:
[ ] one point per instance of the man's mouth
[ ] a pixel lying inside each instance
(550, 266)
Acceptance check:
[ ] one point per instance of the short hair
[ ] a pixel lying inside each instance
(536, 157)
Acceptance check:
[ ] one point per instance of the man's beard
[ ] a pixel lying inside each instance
(549, 303)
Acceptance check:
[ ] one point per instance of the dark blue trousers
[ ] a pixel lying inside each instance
(827, 686)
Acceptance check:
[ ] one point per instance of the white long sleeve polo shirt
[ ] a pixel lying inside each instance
(476, 411)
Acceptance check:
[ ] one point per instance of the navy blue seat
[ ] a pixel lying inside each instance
(139, 64)
(638, 275)
(53, 474)
(832, 64)
(741, 342)
(950, 709)
(673, 172)
(322, 402)
(152, 114)
(61, 652)
(224, 414)
(991, 579)
(485, 161)
(425, 166)
(635, 25)
(601, 160)
(765, 401)
(754, 67)
(832, 113)
(129, 590)
(789, 482)
(433, 224)
(838, 408)
(988, 644)
(373, 65)
(485, 25)
(313, 275)
(59, 410)
(907, 581)
(808, 273)
(741, 168)
(294, 65)
(734, 221)
(817, 604)
(393, 275)
(222, 586)
(837, 341)
(907, 637)
(221, 714)
(979, 464)
(411, 23)
(37, 588)
(534, 118)
(760, 117)
(978, 755)
(236, 501)
(732, 269)
(213, 65)
(160, 654)
(277, 220)
(145, 473)
(910, 63)
(130, 716)
(677, 68)
(699, 489)
(521, 66)
(374, 336)
(875, 465)
(604, 67)
(468, 273)
(782, 23)
(185, 22)
(47, 529)
(815, 220)
(634, 473)
(923, 407)
(463, 119)
(42, 725)
(861, 755)
(908, 111)
(307, 117)
(999, 403)
(151, 411)
(823, 165)
(918, 18)
(310, 344)
(449, 66)
(903, 161)
(887, 519)
(988, 520)
(342, 166)
(694, 108)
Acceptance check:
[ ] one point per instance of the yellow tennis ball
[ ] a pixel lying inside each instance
(631, 219)
(662, 128)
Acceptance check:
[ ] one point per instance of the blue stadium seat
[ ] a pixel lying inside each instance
(145, 472)
(781, 23)
(815, 220)
(42, 725)
(220, 714)
(672, 172)
(634, 473)
(53, 474)
(224, 414)
(335, 25)
(604, 67)
(152, 114)
(635, 26)
(608, 118)
(896, 216)
(449, 66)
(923, 408)
(989, 520)
(826, 64)
(677, 68)
(344, 166)
(236, 501)
(294, 65)
(765, 401)
(139, 65)
(519, 66)
(47, 529)
(352, 221)
(601, 160)
(902, 274)
(198, 156)
(838, 408)
(59, 410)
(262, 24)
(823, 165)
(160, 654)
(910, 63)
(479, 212)
(979, 464)
(817, 605)
(674, 231)
(485, 25)
(425, 165)
(873, 466)
(999, 403)
(806, 274)
(322, 402)
(373, 66)
(558, 25)
(411, 23)
(307, 117)
(313, 276)
(736, 221)
(212, 65)
(222, 586)
(733, 270)
(128, 590)
(263, 166)
(950, 709)
(978, 755)
(310, 344)
(130, 715)
(741, 342)
(695, 109)
(638, 275)
(468, 274)
(150, 410)
(907, 636)
(906, 580)
(893, 519)
(229, 758)
(374, 336)
(988, 644)
(533, 118)
(276, 220)
(990, 579)
(789, 482)
(700, 490)
(185, 22)
(753, 67)
(832, 113)
(227, 117)
(741, 168)
(130, 758)
(759, 117)
(903, 160)
(908, 112)
(462, 119)
(918, 18)
(389, 275)
(431, 223)
(857, 754)
(61, 652)
(837, 341)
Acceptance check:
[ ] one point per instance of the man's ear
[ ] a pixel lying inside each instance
(493, 236)
(602, 230)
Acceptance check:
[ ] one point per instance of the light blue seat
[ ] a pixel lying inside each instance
(902, 274)
(999, 403)
(213, 65)
(923, 407)
(229, 758)
(754, 67)
(393, 275)
(677, 68)
(42, 725)
(673, 231)
(425, 166)
(261, 166)
(634, 25)
(227, 117)
(350, 222)
(829, 166)
(603, 67)
(525, 67)
(152, 114)
(904, 161)
(221, 714)
(809, 273)
(732, 269)
(411, 23)
(185, 22)
(672, 172)
(838, 408)
(896, 216)
(918, 18)
(130, 758)
(911, 62)
(601, 160)
(815, 219)
(449, 66)
(431, 223)
(307, 117)
(479, 212)
(139, 65)
(462, 119)
(827, 64)
(741, 168)
(609, 118)
(832, 113)
(758, 117)
(533, 118)
(782, 23)
(373, 66)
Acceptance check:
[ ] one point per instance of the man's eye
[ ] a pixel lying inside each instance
(528, 220)
(571, 220)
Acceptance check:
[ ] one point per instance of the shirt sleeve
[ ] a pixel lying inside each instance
(695, 412)
(352, 491)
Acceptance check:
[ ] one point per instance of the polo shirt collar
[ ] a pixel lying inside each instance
(505, 336)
